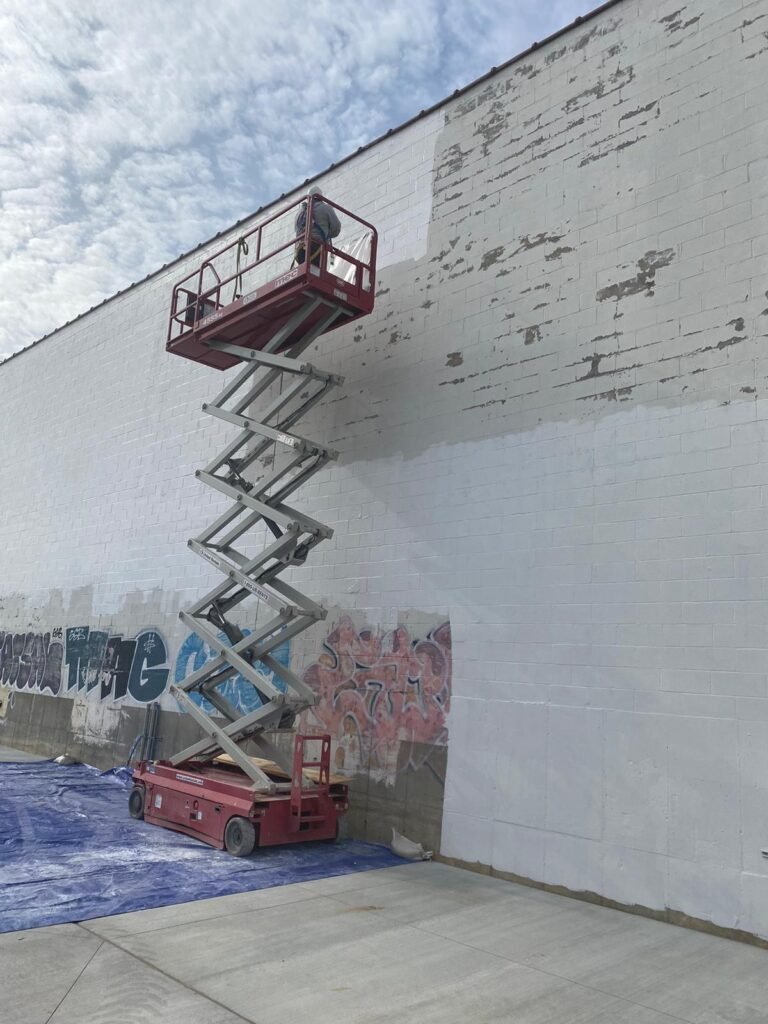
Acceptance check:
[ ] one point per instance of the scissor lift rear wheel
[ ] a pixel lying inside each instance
(239, 837)
(136, 803)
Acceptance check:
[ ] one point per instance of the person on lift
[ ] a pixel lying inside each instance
(325, 226)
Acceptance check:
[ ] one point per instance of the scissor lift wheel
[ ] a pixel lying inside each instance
(239, 837)
(136, 802)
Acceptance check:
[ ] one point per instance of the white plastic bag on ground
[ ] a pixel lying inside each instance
(404, 847)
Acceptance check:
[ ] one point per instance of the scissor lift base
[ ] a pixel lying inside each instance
(199, 800)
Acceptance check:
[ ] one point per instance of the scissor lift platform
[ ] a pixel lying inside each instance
(229, 299)
(259, 303)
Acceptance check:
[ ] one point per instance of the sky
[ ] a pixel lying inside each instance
(132, 131)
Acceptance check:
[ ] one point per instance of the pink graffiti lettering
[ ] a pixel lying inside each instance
(383, 696)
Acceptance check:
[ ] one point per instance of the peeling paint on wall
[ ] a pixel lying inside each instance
(643, 281)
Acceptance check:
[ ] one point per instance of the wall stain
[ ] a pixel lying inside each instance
(674, 23)
(492, 126)
(614, 395)
(602, 29)
(457, 273)
(492, 370)
(558, 253)
(618, 79)
(757, 53)
(532, 334)
(594, 367)
(453, 161)
(491, 257)
(497, 401)
(555, 55)
(594, 370)
(527, 243)
(527, 70)
(642, 110)
(454, 359)
(583, 41)
(643, 281)
(725, 343)
(352, 423)
(622, 76)
(596, 91)
(440, 256)
(616, 149)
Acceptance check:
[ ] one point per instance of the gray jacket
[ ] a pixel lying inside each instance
(325, 224)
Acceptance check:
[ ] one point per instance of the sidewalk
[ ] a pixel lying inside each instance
(414, 944)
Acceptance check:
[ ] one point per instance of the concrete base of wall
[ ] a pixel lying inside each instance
(413, 803)
(668, 915)
(97, 734)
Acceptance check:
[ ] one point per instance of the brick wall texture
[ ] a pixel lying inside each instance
(553, 435)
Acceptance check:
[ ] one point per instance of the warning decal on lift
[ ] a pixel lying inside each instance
(189, 778)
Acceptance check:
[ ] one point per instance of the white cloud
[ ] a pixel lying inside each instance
(133, 131)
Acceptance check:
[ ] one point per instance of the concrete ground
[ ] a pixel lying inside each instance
(414, 944)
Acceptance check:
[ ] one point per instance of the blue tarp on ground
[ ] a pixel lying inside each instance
(70, 852)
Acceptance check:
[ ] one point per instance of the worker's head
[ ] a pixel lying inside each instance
(315, 191)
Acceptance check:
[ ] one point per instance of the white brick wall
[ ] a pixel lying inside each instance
(554, 430)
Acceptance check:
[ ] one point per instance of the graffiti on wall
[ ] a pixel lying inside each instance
(194, 653)
(383, 696)
(79, 660)
(32, 661)
(114, 666)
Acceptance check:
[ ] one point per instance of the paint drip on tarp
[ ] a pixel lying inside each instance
(70, 852)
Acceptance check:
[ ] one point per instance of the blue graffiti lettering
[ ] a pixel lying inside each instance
(194, 653)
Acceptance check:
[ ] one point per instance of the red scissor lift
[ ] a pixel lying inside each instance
(252, 303)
